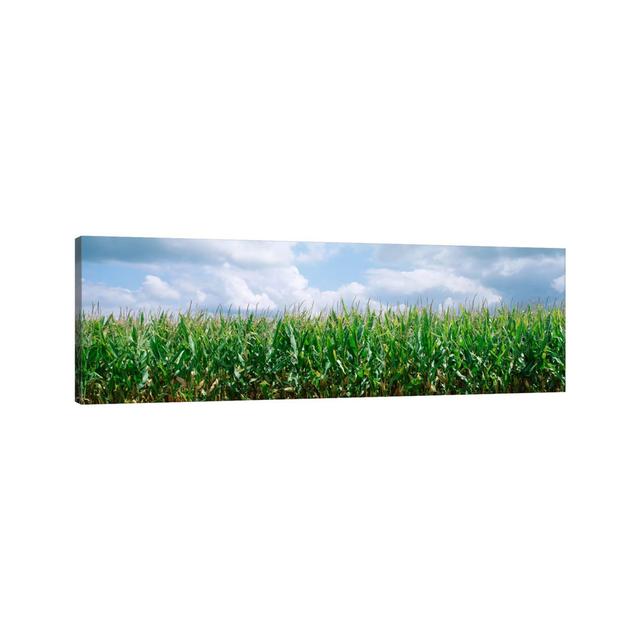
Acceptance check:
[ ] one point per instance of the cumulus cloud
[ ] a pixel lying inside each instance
(516, 274)
(268, 289)
(428, 282)
(315, 252)
(558, 284)
(471, 261)
(247, 254)
(235, 291)
(153, 293)
(154, 288)
(174, 274)
(107, 297)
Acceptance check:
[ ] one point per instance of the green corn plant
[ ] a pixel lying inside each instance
(346, 352)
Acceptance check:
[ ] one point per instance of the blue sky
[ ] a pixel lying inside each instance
(155, 273)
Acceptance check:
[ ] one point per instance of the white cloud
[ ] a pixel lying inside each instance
(213, 273)
(153, 293)
(237, 293)
(267, 288)
(109, 298)
(247, 254)
(279, 287)
(511, 266)
(154, 288)
(315, 252)
(558, 284)
(428, 282)
(185, 284)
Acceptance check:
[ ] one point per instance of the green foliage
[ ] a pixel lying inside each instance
(137, 358)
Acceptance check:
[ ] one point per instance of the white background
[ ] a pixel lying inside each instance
(502, 123)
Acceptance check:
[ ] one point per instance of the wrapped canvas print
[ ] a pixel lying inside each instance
(165, 320)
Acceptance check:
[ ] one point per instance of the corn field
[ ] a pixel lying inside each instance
(349, 353)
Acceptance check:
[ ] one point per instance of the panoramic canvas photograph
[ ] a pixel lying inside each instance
(182, 320)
